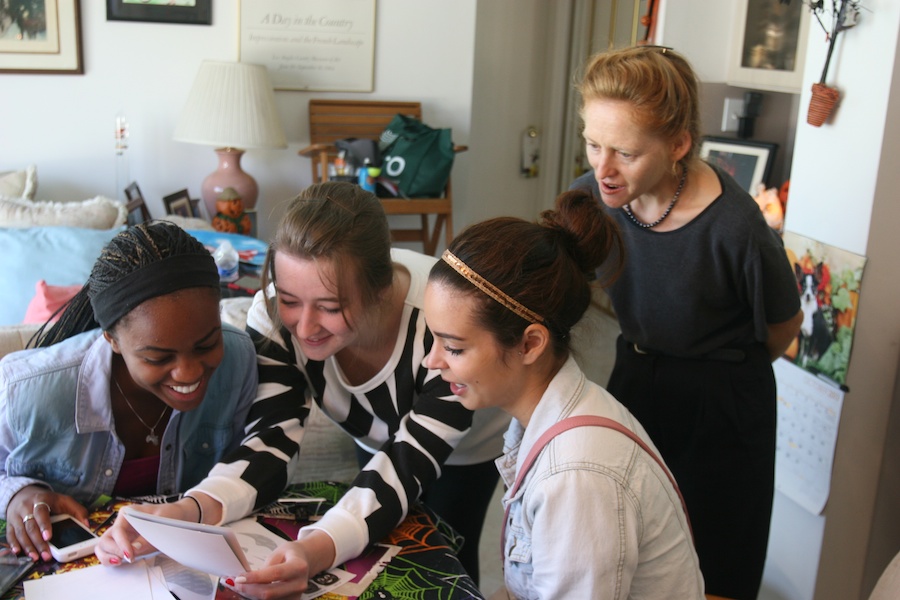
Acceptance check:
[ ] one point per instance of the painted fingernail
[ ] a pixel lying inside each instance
(229, 581)
(127, 556)
(46, 535)
(46, 556)
(114, 561)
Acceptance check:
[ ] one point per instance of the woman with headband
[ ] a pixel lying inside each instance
(138, 389)
(341, 325)
(591, 510)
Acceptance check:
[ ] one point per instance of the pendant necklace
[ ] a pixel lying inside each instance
(639, 223)
(151, 437)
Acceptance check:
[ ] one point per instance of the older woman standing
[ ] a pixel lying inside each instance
(706, 301)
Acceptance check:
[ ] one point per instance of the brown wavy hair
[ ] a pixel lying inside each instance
(546, 266)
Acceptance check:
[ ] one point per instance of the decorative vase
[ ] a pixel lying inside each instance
(229, 174)
(821, 104)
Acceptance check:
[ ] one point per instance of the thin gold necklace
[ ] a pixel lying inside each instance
(151, 437)
(639, 223)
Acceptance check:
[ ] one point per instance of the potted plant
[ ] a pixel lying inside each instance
(844, 15)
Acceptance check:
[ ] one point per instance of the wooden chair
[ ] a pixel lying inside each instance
(332, 120)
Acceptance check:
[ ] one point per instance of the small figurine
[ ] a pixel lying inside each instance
(231, 216)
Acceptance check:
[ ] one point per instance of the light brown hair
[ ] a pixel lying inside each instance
(344, 224)
(657, 81)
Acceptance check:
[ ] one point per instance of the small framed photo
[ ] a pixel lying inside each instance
(179, 204)
(190, 12)
(135, 207)
(749, 163)
(769, 45)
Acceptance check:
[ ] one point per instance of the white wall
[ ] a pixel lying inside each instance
(843, 192)
(64, 123)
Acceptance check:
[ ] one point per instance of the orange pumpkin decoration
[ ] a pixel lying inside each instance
(231, 216)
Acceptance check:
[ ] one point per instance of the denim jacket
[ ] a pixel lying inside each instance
(57, 428)
(596, 517)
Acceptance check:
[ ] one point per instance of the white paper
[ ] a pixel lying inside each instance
(94, 583)
(206, 548)
(184, 582)
(809, 411)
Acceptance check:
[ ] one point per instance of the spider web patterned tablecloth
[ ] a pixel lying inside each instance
(426, 567)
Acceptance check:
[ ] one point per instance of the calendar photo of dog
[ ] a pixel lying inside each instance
(815, 330)
(828, 283)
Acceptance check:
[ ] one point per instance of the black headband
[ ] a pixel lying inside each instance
(156, 279)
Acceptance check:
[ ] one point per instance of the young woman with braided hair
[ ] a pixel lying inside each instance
(137, 389)
(593, 512)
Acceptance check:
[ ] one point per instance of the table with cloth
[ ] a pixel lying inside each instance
(425, 568)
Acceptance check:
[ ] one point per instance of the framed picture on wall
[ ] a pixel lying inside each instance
(749, 163)
(45, 41)
(311, 45)
(190, 12)
(769, 45)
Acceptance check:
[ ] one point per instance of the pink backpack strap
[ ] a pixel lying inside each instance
(570, 423)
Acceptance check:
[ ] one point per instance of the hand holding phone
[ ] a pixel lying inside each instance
(70, 538)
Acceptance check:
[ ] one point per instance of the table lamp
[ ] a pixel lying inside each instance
(232, 107)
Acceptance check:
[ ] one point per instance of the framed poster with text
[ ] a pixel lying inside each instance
(311, 45)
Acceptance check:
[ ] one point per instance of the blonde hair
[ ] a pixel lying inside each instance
(657, 81)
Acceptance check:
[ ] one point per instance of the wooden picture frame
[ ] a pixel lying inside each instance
(135, 207)
(53, 46)
(199, 13)
(180, 204)
(748, 162)
(769, 46)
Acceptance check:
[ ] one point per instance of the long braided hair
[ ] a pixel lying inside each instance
(130, 250)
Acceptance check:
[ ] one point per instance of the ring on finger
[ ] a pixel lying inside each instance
(36, 504)
(27, 518)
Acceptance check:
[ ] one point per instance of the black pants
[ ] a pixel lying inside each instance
(461, 497)
(714, 424)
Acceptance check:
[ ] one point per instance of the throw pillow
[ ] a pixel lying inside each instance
(95, 213)
(47, 300)
(19, 184)
(63, 255)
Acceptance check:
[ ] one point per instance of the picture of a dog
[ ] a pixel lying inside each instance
(815, 334)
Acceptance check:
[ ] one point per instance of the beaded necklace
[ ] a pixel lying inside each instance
(639, 223)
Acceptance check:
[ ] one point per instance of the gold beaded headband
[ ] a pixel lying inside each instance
(490, 289)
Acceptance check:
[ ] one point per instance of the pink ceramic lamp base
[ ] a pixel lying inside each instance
(229, 174)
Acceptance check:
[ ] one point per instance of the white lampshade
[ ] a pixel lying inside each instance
(232, 107)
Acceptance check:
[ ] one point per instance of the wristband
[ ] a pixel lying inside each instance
(199, 508)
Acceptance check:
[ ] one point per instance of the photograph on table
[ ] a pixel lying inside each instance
(135, 206)
(749, 163)
(179, 204)
(828, 281)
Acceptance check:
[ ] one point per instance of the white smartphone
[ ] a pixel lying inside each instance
(70, 538)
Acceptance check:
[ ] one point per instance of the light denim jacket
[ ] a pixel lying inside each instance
(596, 517)
(57, 429)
